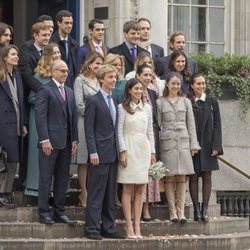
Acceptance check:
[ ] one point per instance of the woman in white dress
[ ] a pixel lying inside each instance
(137, 152)
(86, 84)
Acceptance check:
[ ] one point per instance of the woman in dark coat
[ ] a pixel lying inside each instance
(208, 128)
(12, 127)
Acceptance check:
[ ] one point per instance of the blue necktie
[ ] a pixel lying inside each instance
(111, 109)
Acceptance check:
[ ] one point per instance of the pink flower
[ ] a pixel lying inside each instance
(244, 73)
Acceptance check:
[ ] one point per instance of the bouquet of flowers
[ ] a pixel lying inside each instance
(157, 170)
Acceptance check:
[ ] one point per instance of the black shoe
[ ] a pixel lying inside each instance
(4, 202)
(175, 220)
(46, 220)
(94, 236)
(183, 221)
(64, 219)
(146, 219)
(197, 213)
(11, 201)
(112, 236)
(204, 214)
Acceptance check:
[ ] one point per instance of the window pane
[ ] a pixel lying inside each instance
(199, 1)
(216, 25)
(198, 24)
(218, 49)
(217, 2)
(198, 48)
(181, 20)
(182, 1)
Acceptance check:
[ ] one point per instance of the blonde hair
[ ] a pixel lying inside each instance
(110, 58)
(103, 70)
(44, 64)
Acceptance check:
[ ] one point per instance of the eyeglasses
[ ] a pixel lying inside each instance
(63, 71)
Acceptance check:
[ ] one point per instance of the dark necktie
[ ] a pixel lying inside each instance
(133, 53)
(66, 49)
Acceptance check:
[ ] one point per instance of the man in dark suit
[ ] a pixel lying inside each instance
(101, 136)
(56, 123)
(30, 53)
(67, 45)
(177, 41)
(95, 43)
(155, 50)
(129, 49)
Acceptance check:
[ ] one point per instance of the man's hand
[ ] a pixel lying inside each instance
(94, 159)
(47, 148)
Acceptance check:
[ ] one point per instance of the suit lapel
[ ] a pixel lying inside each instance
(126, 53)
(104, 104)
(58, 95)
(6, 88)
(207, 110)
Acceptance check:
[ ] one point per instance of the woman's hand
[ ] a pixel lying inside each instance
(153, 159)
(194, 151)
(123, 158)
(214, 152)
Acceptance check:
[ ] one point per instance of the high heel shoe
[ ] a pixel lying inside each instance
(139, 237)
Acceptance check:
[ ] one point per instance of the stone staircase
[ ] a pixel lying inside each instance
(20, 229)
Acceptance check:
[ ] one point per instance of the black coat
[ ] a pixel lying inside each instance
(210, 137)
(123, 50)
(8, 121)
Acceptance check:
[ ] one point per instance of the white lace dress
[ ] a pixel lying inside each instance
(135, 135)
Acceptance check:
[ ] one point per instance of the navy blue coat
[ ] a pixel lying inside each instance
(101, 135)
(123, 50)
(211, 137)
(50, 115)
(8, 121)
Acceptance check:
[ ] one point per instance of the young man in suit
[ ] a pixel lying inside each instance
(130, 48)
(56, 122)
(67, 45)
(101, 137)
(95, 43)
(177, 41)
(29, 55)
(155, 50)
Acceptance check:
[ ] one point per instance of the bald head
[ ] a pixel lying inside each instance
(60, 71)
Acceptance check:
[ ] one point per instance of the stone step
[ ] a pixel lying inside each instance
(235, 241)
(30, 214)
(222, 225)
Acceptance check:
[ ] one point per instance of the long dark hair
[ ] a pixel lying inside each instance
(186, 71)
(169, 76)
(4, 53)
(127, 97)
(190, 93)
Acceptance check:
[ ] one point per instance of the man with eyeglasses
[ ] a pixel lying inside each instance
(56, 122)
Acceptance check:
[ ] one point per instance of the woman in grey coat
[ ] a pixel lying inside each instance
(178, 143)
(208, 128)
(86, 84)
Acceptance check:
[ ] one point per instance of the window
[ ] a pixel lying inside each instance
(202, 21)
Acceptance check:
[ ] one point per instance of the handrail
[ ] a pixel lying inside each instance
(231, 165)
